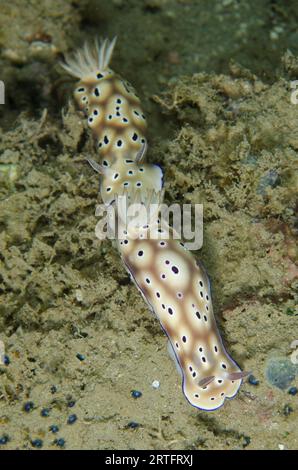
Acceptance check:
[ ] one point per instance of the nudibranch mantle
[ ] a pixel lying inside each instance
(173, 283)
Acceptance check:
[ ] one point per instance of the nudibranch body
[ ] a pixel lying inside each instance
(172, 282)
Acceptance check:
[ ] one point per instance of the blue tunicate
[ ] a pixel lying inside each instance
(81, 357)
(280, 372)
(136, 394)
(72, 419)
(4, 439)
(45, 412)
(6, 360)
(252, 380)
(293, 391)
(59, 442)
(54, 428)
(133, 425)
(28, 406)
(37, 443)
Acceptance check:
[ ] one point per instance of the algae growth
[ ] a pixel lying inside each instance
(78, 337)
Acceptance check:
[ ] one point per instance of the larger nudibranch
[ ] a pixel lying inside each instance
(177, 290)
(170, 279)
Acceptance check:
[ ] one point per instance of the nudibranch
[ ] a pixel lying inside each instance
(173, 283)
(117, 122)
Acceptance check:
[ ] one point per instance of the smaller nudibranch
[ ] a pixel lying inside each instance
(177, 290)
(117, 121)
(114, 111)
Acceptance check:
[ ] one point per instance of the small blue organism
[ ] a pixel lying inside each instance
(37, 443)
(133, 425)
(4, 439)
(6, 361)
(72, 419)
(252, 380)
(136, 394)
(59, 442)
(45, 412)
(28, 406)
(80, 356)
(54, 428)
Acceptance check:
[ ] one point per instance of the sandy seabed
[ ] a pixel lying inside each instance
(78, 337)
